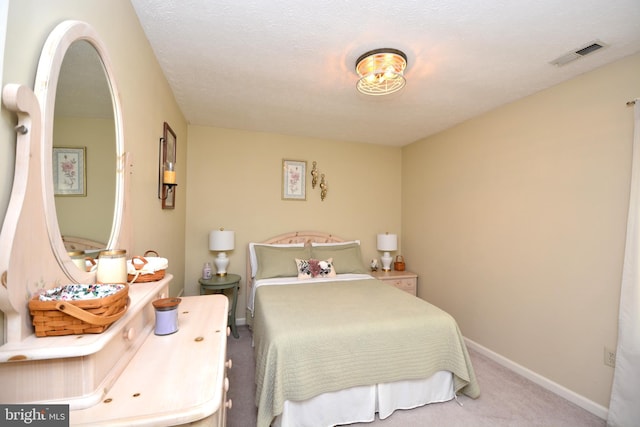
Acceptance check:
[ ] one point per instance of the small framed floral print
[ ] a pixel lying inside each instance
(69, 171)
(294, 184)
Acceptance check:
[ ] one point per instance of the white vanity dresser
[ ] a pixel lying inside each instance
(125, 375)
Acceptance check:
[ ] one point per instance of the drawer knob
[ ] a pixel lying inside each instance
(228, 404)
(130, 334)
(229, 364)
(226, 384)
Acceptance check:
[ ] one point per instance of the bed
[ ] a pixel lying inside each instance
(335, 346)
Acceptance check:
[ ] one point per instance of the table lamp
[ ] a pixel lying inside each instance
(387, 243)
(221, 241)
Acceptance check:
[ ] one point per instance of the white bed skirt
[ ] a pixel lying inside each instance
(360, 404)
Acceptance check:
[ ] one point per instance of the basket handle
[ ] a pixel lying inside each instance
(91, 261)
(85, 316)
(138, 266)
(150, 251)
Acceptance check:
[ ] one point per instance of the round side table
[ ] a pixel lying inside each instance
(218, 284)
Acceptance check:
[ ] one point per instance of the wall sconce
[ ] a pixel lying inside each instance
(314, 175)
(387, 243)
(221, 240)
(167, 172)
(324, 187)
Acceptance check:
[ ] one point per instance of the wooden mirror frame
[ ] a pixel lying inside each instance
(53, 53)
(27, 263)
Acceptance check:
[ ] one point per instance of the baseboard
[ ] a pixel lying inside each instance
(586, 404)
(241, 321)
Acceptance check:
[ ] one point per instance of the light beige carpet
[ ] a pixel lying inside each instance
(507, 399)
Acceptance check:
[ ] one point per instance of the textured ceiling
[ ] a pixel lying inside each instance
(287, 66)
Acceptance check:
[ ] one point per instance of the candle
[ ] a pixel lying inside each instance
(112, 266)
(169, 177)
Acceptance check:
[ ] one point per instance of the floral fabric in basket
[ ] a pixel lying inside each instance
(76, 292)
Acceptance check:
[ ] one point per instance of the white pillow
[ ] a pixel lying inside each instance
(335, 243)
(254, 260)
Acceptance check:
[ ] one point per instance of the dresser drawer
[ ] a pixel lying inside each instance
(403, 280)
(407, 285)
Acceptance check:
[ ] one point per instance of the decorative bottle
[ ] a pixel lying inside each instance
(206, 271)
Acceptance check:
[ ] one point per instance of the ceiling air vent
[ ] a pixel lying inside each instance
(578, 53)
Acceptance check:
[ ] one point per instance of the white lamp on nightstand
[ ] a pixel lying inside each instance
(387, 243)
(221, 241)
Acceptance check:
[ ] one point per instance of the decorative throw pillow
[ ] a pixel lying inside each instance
(308, 268)
(346, 257)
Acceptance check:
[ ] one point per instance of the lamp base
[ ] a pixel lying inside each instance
(386, 261)
(221, 262)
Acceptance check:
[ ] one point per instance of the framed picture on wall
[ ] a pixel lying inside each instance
(69, 171)
(294, 182)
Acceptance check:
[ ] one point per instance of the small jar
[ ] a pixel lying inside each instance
(207, 272)
(166, 315)
(112, 266)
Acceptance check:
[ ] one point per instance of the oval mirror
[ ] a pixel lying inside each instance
(82, 145)
(84, 151)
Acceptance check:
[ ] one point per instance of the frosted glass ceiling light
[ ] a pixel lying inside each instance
(381, 71)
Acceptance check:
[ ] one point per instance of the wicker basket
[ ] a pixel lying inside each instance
(76, 317)
(140, 275)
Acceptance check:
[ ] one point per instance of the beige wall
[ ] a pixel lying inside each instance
(147, 102)
(235, 182)
(515, 222)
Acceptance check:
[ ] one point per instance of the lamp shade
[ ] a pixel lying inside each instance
(221, 240)
(387, 242)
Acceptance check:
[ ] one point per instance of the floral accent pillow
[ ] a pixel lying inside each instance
(308, 268)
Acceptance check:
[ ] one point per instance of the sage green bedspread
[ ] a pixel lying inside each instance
(312, 338)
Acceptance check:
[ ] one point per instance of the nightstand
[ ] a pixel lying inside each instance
(218, 284)
(404, 280)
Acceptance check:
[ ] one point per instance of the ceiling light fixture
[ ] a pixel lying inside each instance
(381, 71)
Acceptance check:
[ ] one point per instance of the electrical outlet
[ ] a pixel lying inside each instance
(609, 357)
